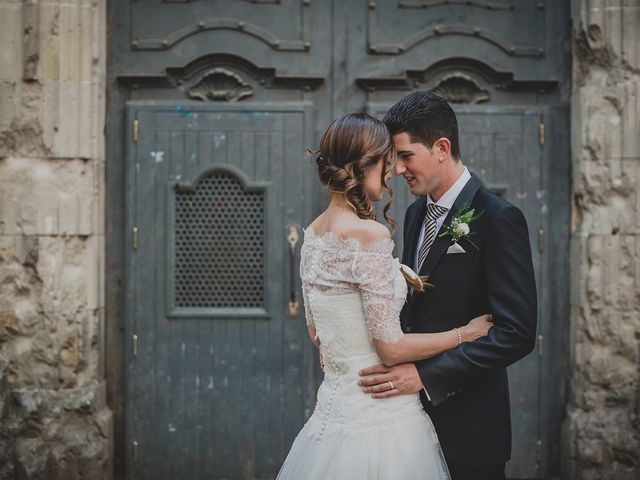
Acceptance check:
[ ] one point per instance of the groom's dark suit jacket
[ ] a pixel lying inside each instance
(468, 386)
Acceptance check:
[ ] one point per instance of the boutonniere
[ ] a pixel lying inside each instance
(415, 281)
(459, 228)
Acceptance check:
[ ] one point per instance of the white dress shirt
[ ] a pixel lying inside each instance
(446, 201)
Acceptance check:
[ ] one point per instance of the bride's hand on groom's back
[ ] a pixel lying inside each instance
(476, 328)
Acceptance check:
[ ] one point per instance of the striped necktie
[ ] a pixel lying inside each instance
(434, 212)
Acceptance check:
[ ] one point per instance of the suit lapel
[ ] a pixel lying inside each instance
(414, 231)
(441, 244)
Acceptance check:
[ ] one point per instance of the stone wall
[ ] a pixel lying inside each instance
(602, 430)
(55, 423)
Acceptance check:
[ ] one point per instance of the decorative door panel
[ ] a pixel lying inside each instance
(279, 37)
(219, 382)
(521, 40)
(161, 24)
(516, 31)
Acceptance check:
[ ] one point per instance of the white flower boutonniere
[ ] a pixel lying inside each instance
(459, 227)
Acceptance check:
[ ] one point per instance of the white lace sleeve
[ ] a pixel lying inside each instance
(376, 274)
(307, 306)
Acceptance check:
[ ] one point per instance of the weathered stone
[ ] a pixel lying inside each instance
(60, 103)
(602, 430)
(60, 434)
(47, 197)
(54, 421)
(11, 39)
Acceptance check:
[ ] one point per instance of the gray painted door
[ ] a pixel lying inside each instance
(222, 379)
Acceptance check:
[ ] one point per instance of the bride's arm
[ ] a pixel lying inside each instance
(314, 336)
(419, 346)
(376, 273)
(311, 327)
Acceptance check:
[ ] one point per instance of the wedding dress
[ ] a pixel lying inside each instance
(352, 295)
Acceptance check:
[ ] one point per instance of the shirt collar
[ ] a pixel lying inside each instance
(447, 200)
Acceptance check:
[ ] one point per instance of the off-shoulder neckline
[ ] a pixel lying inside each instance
(384, 242)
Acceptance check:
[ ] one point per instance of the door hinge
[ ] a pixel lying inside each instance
(541, 134)
(134, 345)
(136, 130)
(134, 238)
(541, 240)
(135, 451)
(540, 345)
(539, 452)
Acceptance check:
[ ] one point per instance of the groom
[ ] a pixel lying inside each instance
(485, 267)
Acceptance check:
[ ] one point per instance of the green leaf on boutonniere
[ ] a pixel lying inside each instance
(459, 228)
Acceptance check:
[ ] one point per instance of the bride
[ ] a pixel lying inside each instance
(353, 292)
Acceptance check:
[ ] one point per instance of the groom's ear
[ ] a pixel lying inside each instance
(442, 146)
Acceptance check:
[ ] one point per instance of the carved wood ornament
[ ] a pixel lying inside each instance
(220, 84)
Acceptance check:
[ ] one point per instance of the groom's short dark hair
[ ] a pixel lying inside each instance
(425, 117)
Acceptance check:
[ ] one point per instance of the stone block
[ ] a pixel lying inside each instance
(615, 26)
(602, 124)
(74, 79)
(68, 119)
(631, 114)
(47, 198)
(608, 196)
(49, 314)
(61, 434)
(11, 39)
(7, 114)
(612, 270)
(100, 197)
(69, 269)
(631, 35)
(599, 455)
(64, 67)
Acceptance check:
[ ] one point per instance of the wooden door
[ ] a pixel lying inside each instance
(218, 100)
(219, 377)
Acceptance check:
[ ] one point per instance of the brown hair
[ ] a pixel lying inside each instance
(349, 147)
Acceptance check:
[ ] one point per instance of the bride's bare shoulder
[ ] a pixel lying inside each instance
(366, 231)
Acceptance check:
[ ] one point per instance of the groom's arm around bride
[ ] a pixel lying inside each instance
(508, 286)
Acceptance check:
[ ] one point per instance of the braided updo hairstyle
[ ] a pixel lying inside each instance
(351, 146)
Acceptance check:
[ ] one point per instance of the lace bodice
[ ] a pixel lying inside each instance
(335, 266)
(353, 294)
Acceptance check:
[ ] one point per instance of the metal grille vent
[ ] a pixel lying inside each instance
(219, 250)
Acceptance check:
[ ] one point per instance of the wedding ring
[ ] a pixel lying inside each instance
(391, 385)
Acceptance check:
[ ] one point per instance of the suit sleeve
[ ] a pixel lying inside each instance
(512, 300)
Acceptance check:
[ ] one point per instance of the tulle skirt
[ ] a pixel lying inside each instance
(402, 448)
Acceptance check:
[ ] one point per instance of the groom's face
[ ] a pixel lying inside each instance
(418, 164)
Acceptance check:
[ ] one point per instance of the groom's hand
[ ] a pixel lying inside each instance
(404, 378)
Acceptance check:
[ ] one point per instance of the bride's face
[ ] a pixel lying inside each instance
(372, 183)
